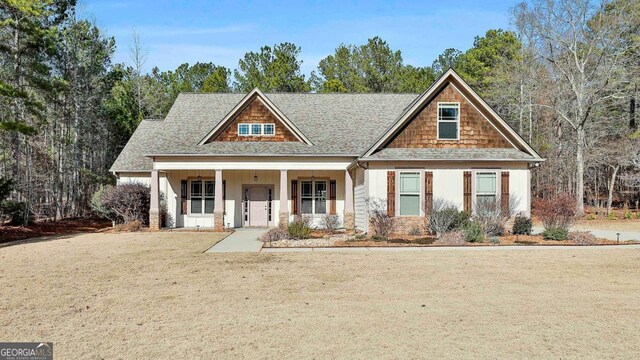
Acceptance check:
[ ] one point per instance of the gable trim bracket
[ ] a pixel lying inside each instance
(252, 95)
(426, 96)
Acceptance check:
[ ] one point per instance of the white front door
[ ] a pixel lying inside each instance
(258, 204)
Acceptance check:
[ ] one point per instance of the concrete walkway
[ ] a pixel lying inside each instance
(604, 234)
(242, 240)
(448, 248)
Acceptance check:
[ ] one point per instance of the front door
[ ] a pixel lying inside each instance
(258, 206)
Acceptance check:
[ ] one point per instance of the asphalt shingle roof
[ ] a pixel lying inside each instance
(336, 124)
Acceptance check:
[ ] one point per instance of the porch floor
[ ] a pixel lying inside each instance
(242, 240)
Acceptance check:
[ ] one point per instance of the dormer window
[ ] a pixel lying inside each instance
(256, 129)
(448, 121)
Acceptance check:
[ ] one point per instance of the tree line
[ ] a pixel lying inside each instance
(565, 78)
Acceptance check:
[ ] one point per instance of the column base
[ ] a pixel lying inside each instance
(350, 221)
(284, 220)
(154, 220)
(218, 222)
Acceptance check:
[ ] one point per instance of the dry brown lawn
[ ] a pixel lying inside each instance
(153, 295)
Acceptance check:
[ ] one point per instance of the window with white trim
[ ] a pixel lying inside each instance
(202, 196)
(409, 190)
(448, 121)
(486, 187)
(256, 129)
(313, 197)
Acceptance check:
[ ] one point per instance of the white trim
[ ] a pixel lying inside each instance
(446, 104)
(474, 172)
(261, 125)
(248, 130)
(424, 97)
(420, 173)
(255, 94)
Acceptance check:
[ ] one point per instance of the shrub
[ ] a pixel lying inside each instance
(522, 226)
(274, 235)
(582, 238)
(461, 220)
(628, 215)
(555, 234)
(555, 212)
(612, 216)
(125, 203)
(495, 240)
(300, 228)
(415, 231)
(451, 238)
(17, 212)
(132, 226)
(331, 223)
(489, 213)
(591, 217)
(473, 232)
(441, 216)
(382, 224)
(379, 238)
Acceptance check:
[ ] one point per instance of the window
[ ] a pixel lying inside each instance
(486, 187)
(269, 129)
(313, 196)
(243, 129)
(256, 129)
(409, 189)
(448, 121)
(202, 200)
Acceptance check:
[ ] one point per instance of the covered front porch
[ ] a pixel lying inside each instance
(238, 194)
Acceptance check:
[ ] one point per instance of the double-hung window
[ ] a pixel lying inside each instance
(201, 196)
(448, 121)
(486, 187)
(409, 189)
(313, 197)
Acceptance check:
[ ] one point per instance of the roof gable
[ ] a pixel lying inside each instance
(450, 80)
(287, 131)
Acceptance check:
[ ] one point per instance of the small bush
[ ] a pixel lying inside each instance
(612, 216)
(473, 232)
(378, 238)
(490, 214)
(331, 223)
(132, 226)
(522, 226)
(274, 235)
(441, 216)
(415, 231)
(591, 217)
(451, 238)
(124, 203)
(382, 224)
(16, 212)
(628, 215)
(300, 228)
(555, 234)
(638, 215)
(555, 212)
(461, 220)
(495, 240)
(582, 238)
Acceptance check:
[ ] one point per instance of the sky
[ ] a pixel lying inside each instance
(175, 32)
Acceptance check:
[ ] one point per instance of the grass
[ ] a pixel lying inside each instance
(157, 295)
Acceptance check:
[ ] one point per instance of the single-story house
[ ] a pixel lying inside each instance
(261, 159)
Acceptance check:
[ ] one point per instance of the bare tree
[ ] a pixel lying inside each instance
(138, 56)
(582, 43)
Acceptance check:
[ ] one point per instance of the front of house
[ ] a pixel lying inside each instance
(259, 160)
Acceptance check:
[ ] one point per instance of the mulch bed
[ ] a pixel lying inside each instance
(48, 228)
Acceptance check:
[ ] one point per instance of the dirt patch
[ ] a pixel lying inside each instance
(48, 228)
(158, 295)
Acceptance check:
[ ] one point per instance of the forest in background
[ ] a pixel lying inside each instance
(566, 78)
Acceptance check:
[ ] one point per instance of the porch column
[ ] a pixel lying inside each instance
(284, 200)
(218, 208)
(154, 208)
(349, 215)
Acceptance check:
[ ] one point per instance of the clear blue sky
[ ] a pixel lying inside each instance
(174, 32)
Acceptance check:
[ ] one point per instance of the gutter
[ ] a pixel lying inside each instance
(251, 155)
(427, 159)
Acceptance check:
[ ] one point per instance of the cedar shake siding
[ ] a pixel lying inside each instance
(256, 113)
(475, 130)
